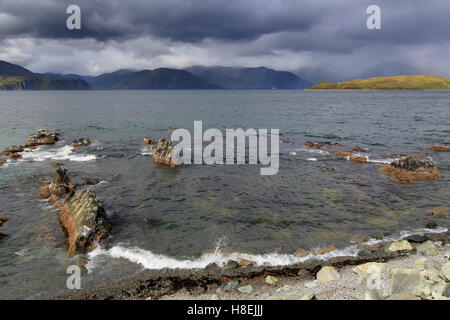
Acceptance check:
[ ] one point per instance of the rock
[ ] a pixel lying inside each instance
(12, 150)
(342, 154)
(246, 289)
(438, 212)
(366, 254)
(446, 291)
(359, 149)
(301, 253)
(427, 249)
(3, 160)
(417, 238)
(445, 271)
(398, 246)
(227, 287)
(60, 185)
(84, 221)
(407, 295)
(42, 137)
(369, 268)
(57, 165)
(245, 263)
(325, 250)
(410, 169)
(358, 159)
(2, 222)
(405, 280)
(82, 262)
(313, 145)
(327, 274)
(271, 280)
(300, 296)
(447, 255)
(148, 141)
(440, 148)
(81, 143)
(438, 290)
(231, 264)
(431, 225)
(163, 153)
(430, 275)
(426, 263)
(3, 236)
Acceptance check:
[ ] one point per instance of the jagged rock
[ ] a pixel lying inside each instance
(427, 249)
(81, 143)
(438, 212)
(42, 137)
(12, 150)
(410, 169)
(163, 153)
(84, 221)
(440, 148)
(327, 274)
(313, 144)
(60, 185)
(301, 253)
(398, 246)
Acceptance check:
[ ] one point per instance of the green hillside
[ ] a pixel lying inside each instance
(41, 83)
(414, 82)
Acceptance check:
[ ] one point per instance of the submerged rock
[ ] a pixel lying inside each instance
(84, 221)
(60, 185)
(163, 153)
(410, 169)
(359, 159)
(440, 148)
(342, 154)
(301, 253)
(325, 250)
(2, 221)
(313, 144)
(42, 137)
(438, 212)
(81, 143)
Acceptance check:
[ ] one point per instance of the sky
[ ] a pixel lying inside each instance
(313, 38)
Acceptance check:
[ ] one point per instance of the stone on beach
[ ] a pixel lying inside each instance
(427, 249)
(246, 289)
(271, 280)
(398, 246)
(322, 251)
(245, 263)
(84, 221)
(369, 268)
(327, 274)
(445, 271)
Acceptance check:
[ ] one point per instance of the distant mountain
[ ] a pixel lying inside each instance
(249, 78)
(414, 82)
(15, 77)
(388, 69)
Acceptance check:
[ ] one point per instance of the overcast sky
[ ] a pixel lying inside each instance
(309, 36)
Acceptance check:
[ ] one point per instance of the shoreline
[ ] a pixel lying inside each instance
(204, 283)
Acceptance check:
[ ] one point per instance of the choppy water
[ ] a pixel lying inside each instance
(165, 217)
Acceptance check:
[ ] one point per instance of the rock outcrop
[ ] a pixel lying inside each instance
(410, 169)
(81, 143)
(439, 211)
(163, 153)
(59, 186)
(2, 221)
(440, 148)
(42, 137)
(84, 220)
(313, 144)
(13, 152)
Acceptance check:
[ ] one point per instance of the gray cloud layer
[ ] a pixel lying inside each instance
(284, 34)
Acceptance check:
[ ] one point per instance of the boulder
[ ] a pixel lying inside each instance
(227, 286)
(2, 222)
(445, 271)
(369, 268)
(398, 246)
(440, 148)
(84, 221)
(81, 143)
(327, 274)
(12, 150)
(301, 253)
(163, 153)
(417, 238)
(42, 137)
(231, 264)
(313, 144)
(245, 263)
(271, 280)
(410, 169)
(438, 211)
(427, 249)
(59, 186)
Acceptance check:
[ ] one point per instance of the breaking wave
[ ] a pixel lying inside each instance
(59, 154)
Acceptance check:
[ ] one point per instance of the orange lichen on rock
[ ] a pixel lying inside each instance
(440, 148)
(409, 169)
(163, 153)
(359, 159)
(313, 144)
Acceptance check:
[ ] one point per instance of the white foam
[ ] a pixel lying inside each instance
(293, 153)
(145, 152)
(63, 153)
(312, 150)
(150, 260)
(311, 159)
(382, 161)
